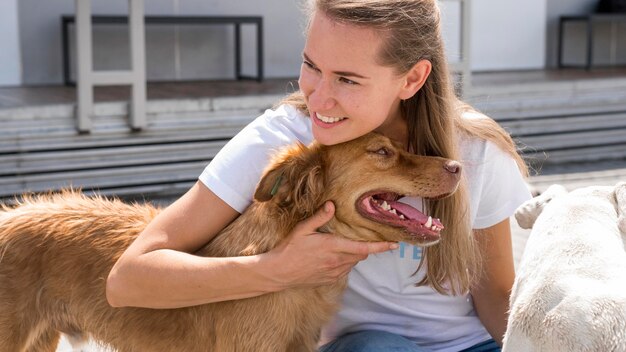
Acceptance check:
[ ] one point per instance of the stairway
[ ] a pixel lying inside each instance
(557, 125)
(40, 149)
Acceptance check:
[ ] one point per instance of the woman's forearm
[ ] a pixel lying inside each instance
(492, 311)
(171, 279)
(491, 293)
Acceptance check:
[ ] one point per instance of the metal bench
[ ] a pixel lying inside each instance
(591, 21)
(236, 21)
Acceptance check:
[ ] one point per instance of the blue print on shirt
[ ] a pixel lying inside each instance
(410, 251)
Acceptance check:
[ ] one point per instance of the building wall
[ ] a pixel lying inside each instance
(173, 52)
(508, 35)
(505, 35)
(10, 69)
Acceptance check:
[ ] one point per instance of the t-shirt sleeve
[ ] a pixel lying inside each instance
(237, 168)
(502, 188)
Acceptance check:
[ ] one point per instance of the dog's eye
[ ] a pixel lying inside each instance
(383, 151)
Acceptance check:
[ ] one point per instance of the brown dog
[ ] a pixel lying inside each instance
(56, 252)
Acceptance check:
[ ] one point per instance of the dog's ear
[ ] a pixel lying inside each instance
(620, 196)
(528, 212)
(294, 178)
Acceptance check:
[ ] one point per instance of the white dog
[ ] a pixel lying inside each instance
(570, 290)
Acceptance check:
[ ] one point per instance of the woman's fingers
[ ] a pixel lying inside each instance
(319, 219)
(363, 249)
(307, 257)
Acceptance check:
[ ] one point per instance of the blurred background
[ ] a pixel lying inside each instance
(138, 111)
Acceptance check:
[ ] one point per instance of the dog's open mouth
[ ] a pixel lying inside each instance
(383, 207)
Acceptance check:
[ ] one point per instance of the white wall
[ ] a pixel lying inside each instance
(195, 52)
(508, 35)
(10, 67)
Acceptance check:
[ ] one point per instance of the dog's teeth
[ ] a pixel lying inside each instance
(434, 228)
(393, 211)
(385, 205)
(429, 223)
(401, 216)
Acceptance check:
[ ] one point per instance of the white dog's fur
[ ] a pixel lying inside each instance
(570, 290)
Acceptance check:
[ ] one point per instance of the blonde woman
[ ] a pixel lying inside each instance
(368, 65)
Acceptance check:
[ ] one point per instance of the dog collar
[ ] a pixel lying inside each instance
(277, 184)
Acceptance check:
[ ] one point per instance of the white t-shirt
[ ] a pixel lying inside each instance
(381, 292)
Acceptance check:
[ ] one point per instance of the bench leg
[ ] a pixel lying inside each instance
(84, 88)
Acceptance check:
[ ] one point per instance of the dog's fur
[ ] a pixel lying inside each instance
(57, 250)
(570, 290)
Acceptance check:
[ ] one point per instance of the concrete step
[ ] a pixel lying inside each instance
(106, 158)
(556, 124)
(550, 98)
(41, 150)
(44, 152)
(573, 180)
(103, 181)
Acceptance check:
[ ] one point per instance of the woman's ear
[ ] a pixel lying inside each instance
(414, 79)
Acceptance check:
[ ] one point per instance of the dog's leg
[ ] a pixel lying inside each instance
(47, 341)
(78, 341)
(10, 339)
(303, 344)
(14, 338)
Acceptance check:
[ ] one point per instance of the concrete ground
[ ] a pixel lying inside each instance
(585, 175)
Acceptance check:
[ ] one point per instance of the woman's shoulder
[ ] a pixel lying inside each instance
(283, 121)
(284, 112)
(477, 146)
(275, 127)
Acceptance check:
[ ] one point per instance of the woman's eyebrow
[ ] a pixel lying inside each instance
(338, 73)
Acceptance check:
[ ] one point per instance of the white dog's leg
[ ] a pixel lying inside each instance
(78, 342)
(620, 196)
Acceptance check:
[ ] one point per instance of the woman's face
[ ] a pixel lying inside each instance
(347, 92)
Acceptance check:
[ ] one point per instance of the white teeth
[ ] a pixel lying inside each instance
(429, 223)
(385, 206)
(329, 119)
(434, 228)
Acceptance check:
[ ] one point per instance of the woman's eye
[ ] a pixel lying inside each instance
(347, 81)
(309, 65)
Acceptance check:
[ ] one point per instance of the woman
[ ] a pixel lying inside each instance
(368, 65)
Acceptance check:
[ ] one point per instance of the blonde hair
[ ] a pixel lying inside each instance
(411, 29)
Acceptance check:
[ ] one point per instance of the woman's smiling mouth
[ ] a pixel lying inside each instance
(326, 121)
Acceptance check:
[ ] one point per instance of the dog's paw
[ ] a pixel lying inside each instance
(528, 212)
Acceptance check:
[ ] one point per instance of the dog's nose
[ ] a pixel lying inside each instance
(453, 167)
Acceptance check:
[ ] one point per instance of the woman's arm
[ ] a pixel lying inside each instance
(491, 293)
(157, 271)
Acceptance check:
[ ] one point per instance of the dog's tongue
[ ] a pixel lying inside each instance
(413, 214)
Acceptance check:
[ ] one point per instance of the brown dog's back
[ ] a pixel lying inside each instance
(56, 253)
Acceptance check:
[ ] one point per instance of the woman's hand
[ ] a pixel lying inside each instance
(307, 257)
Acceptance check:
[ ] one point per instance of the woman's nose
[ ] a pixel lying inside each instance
(320, 97)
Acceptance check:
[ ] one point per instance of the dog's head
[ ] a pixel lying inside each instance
(364, 178)
(582, 201)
